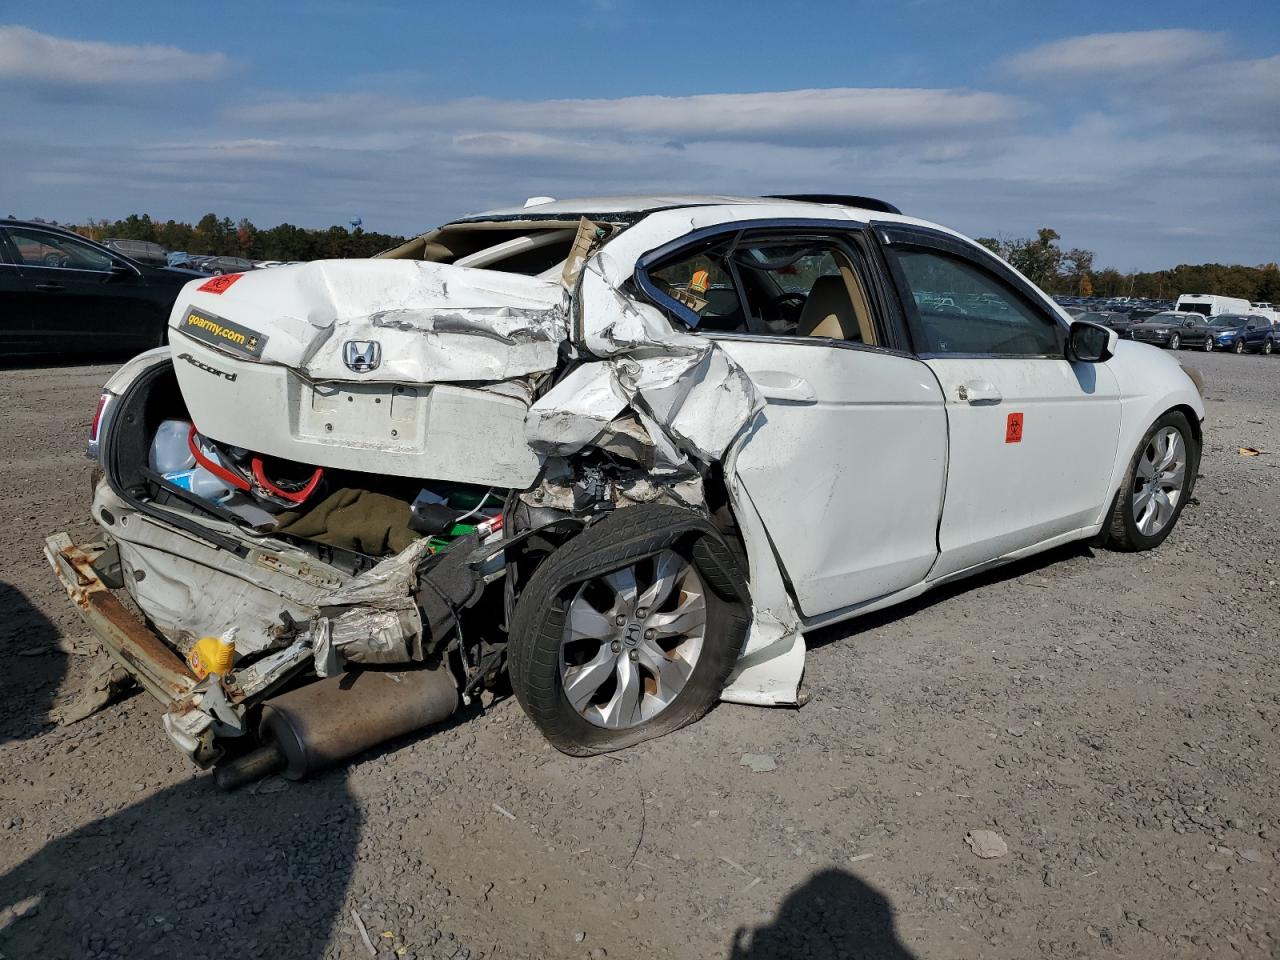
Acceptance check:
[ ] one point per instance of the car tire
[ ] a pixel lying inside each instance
(1175, 342)
(1238, 346)
(545, 646)
(1208, 344)
(1267, 346)
(1128, 527)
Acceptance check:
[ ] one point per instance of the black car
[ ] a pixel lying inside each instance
(61, 293)
(1175, 330)
(1117, 321)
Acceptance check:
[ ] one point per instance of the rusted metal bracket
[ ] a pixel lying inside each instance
(136, 648)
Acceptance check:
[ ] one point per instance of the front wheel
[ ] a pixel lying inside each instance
(1175, 342)
(1238, 347)
(628, 631)
(1156, 486)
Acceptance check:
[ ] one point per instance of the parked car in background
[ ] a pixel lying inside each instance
(1245, 333)
(1117, 321)
(143, 251)
(221, 265)
(1175, 330)
(61, 293)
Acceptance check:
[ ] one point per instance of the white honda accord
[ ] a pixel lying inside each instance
(621, 454)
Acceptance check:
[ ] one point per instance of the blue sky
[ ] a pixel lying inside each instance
(1146, 131)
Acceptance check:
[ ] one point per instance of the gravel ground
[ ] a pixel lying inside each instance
(1113, 718)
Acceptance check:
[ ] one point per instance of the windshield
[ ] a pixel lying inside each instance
(1203, 308)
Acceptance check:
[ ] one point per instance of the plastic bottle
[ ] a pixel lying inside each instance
(213, 654)
(169, 449)
(200, 482)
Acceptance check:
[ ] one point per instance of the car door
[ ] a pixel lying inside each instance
(846, 464)
(81, 298)
(15, 312)
(1033, 437)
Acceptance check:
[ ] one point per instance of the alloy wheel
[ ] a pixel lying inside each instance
(632, 639)
(1175, 342)
(1159, 481)
(1239, 347)
(1208, 344)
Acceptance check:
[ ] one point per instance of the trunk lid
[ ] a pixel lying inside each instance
(399, 367)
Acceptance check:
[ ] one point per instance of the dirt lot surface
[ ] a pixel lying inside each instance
(1114, 718)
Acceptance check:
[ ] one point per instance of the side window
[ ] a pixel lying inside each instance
(39, 249)
(772, 285)
(960, 308)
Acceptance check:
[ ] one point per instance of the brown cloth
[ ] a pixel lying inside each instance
(360, 520)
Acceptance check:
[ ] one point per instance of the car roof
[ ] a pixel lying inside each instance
(633, 207)
(14, 222)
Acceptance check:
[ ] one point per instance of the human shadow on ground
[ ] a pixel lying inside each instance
(33, 666)
(832, 915)
(191, 872)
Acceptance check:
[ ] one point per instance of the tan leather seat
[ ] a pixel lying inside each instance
(828, 312)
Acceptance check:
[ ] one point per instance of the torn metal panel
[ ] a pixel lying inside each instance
(575, 411)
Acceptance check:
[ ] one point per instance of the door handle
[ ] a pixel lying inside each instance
(979, 391)
(49, 287)
(779, 385)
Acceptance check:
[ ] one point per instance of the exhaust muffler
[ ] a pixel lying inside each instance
(330, 720)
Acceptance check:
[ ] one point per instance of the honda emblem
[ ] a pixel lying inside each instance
(361, 356)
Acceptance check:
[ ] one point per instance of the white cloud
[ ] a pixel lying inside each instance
(836, 115)
(1105, 55)
(35, 59)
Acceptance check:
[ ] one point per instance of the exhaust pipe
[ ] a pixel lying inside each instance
(330, 720)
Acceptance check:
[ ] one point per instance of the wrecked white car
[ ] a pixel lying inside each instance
(613, 455)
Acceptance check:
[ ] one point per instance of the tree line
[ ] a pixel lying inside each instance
(1052, 268)
(223, 237)
(1072, 272)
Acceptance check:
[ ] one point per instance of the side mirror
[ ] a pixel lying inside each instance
(1091, 342)
(118, 272)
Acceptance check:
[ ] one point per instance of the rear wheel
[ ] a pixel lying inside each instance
(1267, 346)
(1175, 342)
(1156, 486)
(1208, 344)
(629, 631)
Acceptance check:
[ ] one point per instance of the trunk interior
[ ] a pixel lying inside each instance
(375, 515)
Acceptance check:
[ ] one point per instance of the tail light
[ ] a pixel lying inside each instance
(95, 427)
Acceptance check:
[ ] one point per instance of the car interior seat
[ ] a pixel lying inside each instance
(832, 310)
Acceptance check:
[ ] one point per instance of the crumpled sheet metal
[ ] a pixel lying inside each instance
(435, 323)
(688, 393)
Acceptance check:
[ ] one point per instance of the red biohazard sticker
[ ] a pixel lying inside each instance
(219, 284)
(1013, 429)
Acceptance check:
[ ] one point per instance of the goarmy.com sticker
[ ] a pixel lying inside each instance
(215, 331)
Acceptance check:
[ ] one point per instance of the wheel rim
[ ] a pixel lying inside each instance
(1208, 344)
(1266, 347)
(631, 641)
(1159, 480)
(1239, 346)
(1175, 342)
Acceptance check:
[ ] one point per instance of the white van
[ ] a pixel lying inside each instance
(1211, 304)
